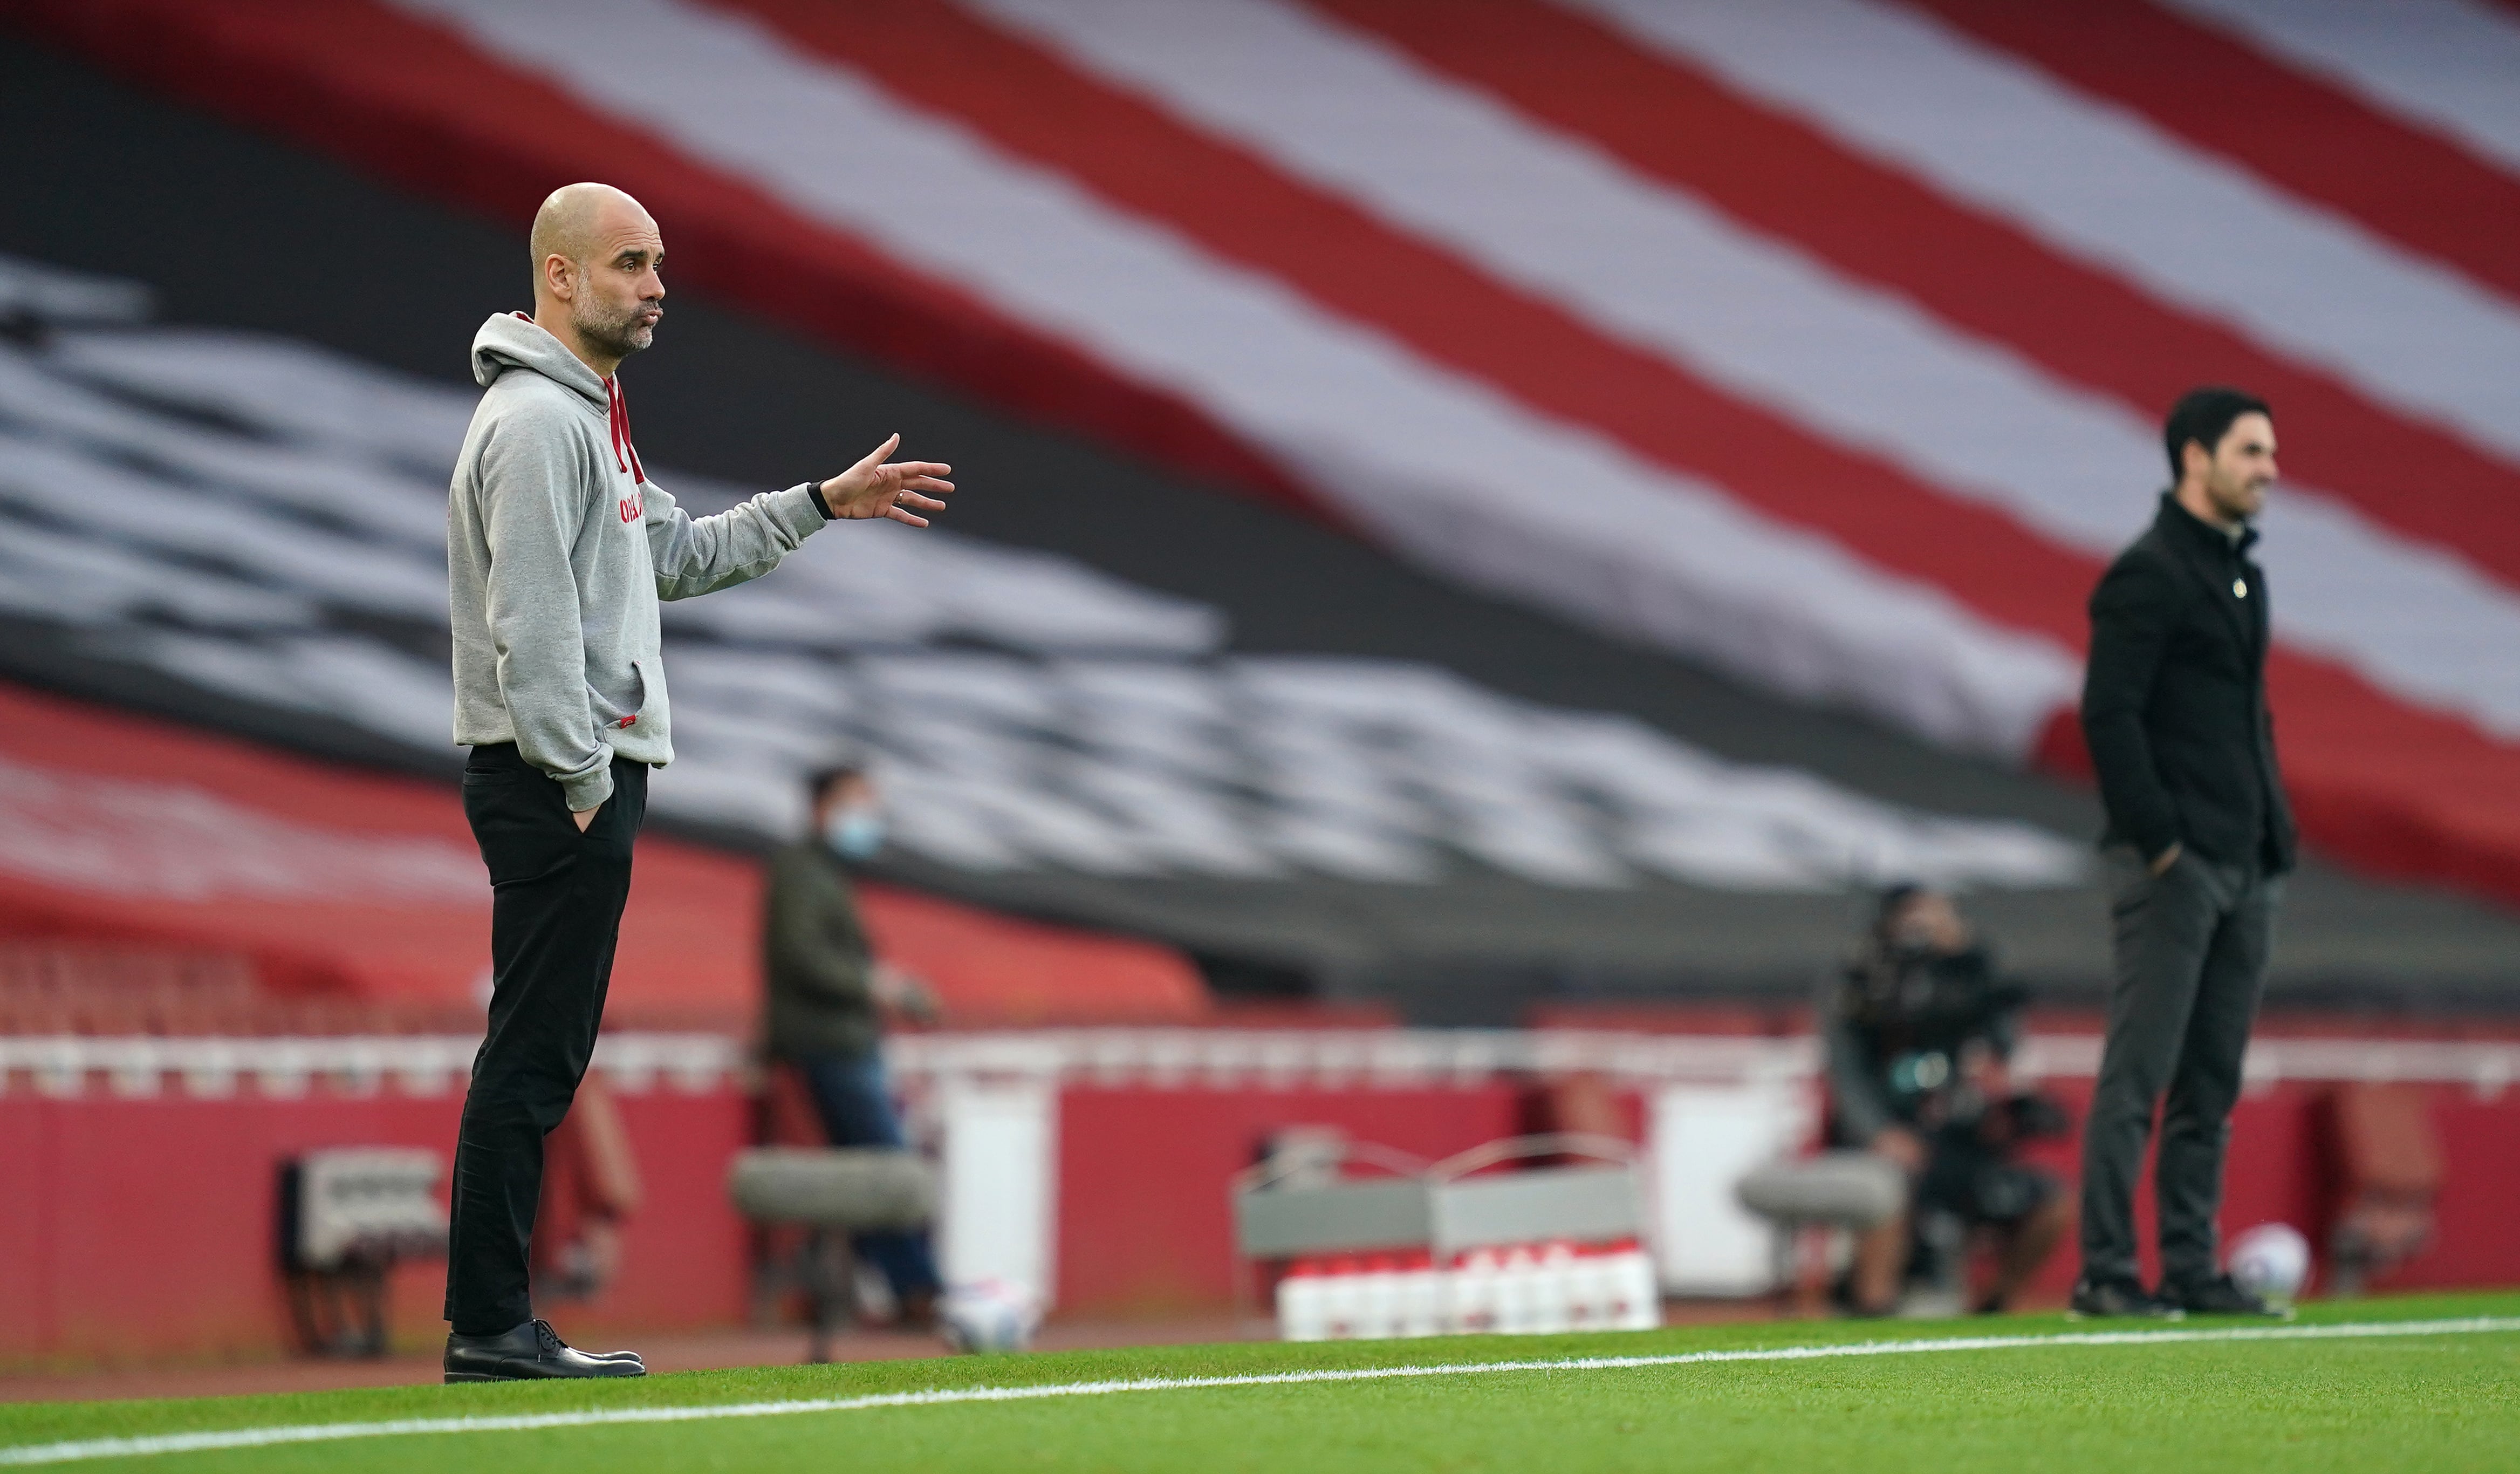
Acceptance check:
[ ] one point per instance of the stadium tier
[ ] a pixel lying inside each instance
(1130, 703)
(1030, 714)
(355, 900)
(1818, 341)
(325, 519)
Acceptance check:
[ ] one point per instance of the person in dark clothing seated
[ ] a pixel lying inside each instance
(826, 996)
(1919, 1033)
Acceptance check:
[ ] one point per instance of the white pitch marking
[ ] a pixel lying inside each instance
(262, 1438)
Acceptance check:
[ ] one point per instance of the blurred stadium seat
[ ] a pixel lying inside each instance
(1819, 450)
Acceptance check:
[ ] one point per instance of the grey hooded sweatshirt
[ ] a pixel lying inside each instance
(558, 549)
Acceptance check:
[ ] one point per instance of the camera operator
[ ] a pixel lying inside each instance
(1918, 1034)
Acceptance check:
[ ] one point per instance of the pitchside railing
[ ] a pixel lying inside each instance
(423, 1065)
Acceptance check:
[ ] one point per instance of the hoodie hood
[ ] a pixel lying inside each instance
(511, 341)
(514, 340)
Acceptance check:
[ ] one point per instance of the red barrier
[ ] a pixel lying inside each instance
(139, 1228)
(1144, 1223)
(148, 1228)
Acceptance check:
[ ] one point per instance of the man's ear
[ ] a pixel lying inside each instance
(559, 276)
(2194, 460)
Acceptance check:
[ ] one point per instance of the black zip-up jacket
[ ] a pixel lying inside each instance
(816, 959)
(1897, 1004)
(2174, 698)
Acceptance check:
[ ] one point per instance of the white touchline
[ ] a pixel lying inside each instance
(258, 1437)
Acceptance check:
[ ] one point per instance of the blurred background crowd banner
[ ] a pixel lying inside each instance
(1490, 529)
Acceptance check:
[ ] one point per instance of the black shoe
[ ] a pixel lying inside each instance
(2119, 1300)
(2221, 1296)
(531, 1350)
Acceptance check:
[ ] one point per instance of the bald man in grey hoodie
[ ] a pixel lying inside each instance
(558, 549)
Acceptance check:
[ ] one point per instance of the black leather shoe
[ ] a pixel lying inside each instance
(2119, 1300)
(2221, 1296)
(531, 1350)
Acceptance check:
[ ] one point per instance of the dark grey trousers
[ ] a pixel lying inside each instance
(2190, 957)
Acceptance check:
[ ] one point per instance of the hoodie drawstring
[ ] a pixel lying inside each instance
(621, 446)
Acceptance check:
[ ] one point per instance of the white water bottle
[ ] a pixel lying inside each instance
(1588, 1289)
(1422, 1290)
(1553, 1286)
(1517, 1291)
(1343, 1298)
(1302, 1311)
(1638, 1298)
(1475, 1293)
(1377, 1298)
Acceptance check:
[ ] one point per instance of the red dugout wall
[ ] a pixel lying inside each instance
(143, 1226)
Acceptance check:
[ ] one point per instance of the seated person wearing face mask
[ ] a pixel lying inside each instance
(1919, 1033)
(826, 988)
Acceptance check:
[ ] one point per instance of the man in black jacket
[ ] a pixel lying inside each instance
(826, 994)
(2199, 836)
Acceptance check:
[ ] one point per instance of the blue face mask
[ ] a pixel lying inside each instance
(854, 834)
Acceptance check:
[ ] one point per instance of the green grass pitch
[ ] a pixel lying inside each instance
(2217, 1396)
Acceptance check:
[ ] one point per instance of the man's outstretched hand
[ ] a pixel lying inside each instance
(873, 489)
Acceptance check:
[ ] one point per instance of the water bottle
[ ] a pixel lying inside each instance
(1475, 1293)
(1422, 1289)
(1589, 1295)
(1639, 1298)
(1551, 1289)
(1343, 1298)
(1378, 1298)
(1518, 1292)
(1303, 1313)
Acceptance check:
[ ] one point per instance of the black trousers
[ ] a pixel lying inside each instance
(2191, 960)
(557, 897)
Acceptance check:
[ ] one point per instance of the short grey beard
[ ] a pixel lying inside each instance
(617, 337)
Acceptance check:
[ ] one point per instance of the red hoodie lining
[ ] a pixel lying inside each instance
(621, 444)
(618, 416)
